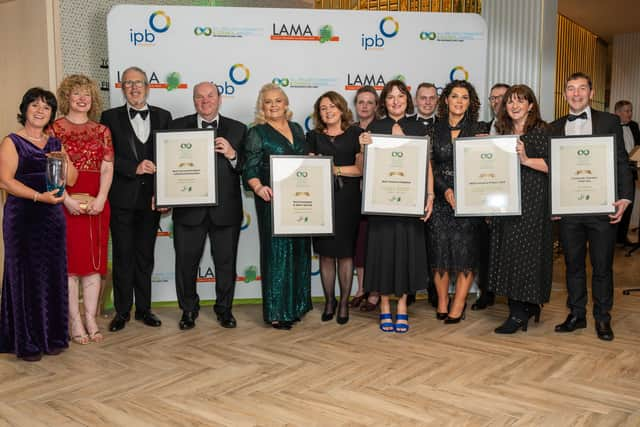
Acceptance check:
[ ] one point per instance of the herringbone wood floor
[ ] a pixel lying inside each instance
(329, 375)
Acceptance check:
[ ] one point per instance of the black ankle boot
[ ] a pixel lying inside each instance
(512, 325)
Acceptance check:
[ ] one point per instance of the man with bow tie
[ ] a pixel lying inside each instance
(597, 232)
(426, 101)
(192, 225)
(631, 136)
(134, 222)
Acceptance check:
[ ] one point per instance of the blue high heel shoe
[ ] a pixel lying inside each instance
(402, 328)
(386, 326)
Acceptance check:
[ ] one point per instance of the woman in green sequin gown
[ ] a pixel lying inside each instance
(285, 262)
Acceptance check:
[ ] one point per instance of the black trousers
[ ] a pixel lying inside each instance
(600, 235)
(133, 239)
(188, 242)
(623, 225)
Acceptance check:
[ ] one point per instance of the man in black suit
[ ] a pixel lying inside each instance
(134, 222)
(631, 136)
(221, 223)
(426, 102)
(598, 231)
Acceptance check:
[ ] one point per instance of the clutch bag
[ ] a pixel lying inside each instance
(83, 199)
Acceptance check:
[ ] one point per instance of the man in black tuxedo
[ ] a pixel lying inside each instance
(631, 136)
(221, 223)
(598, 231)
(134, 222)
(426, 101)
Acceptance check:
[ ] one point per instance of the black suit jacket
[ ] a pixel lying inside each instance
(126, 184)
(229, 208)
(606, 124)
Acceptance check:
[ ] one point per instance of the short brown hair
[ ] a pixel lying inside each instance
(621, 103)
(388, 87)
(579, 75)
(79, 81)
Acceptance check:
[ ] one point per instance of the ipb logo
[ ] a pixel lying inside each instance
(239, 75)
(388, 28)
(458, 73)
(159, 22)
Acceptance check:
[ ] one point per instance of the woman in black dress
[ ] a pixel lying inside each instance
(366, 102)
(396, 254)
(334, 136)
(521, 256)
(452, 241)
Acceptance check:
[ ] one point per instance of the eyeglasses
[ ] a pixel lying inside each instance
(133, 83)
(496, 98)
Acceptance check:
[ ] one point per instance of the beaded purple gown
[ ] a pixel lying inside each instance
(34, 311)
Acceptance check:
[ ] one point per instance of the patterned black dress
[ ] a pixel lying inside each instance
(452, 242)
(396, 261)
(521, 256)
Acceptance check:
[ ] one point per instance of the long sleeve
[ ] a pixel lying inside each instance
(253, 156)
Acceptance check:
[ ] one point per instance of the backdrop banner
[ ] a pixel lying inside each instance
(305, 51)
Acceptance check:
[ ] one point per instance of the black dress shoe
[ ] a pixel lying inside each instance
(604, 331)
(226, 320)
(282, 325)
(188, 320)
(118, 322)
(512, 325)
(572, 323)
(487, 299)
(148, 318)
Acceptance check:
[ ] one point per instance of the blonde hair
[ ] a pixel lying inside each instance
(82, 82)
(259, 116)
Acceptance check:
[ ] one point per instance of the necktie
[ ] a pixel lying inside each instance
(573, 117)
(213, 124)
(143, 113)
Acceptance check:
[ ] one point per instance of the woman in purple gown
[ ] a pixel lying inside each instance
(33, 316)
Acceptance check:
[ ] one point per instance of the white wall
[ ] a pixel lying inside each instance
(522, 47)
(625, 71)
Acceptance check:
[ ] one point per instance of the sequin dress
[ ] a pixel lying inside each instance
(521, 255)
(285, 262)
(34, 313)
(87, 145)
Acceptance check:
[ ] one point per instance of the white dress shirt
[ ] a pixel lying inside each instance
(142, 128)
(579, 126)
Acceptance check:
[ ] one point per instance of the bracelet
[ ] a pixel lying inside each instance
(35, 197)
(338, 170)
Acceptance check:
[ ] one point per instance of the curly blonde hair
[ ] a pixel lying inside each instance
(259, 114)
(79, 81)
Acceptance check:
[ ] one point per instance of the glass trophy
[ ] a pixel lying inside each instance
(56, 172)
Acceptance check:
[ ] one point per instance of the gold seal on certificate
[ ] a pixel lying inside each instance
(487, 176)
(582, 175)
(302, 201)
(186, 168)
(395, 175)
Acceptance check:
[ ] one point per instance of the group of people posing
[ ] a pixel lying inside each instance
(51, 251)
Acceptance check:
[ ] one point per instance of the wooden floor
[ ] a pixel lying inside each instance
(329, 375)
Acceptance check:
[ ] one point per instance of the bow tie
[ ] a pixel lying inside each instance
(573, 117)
(213, 124)
(143, 113)
(429, 121)
(625, 124)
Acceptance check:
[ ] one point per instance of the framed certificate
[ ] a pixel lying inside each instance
(395, 175)
(186, 168)
(487, 176)
(302, 203)
(582, 175)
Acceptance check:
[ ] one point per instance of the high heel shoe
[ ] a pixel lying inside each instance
(79, 338)
(534, 311)
(451, 320)
(342, 319)
(442, 316)
(386, 326)
(356, 301)
(511, 326)
(402, 328)
(328, 316)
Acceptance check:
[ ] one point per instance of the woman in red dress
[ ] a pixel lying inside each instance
(89, 147)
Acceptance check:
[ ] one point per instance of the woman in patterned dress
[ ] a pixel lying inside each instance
(521, 255)
(88, 144)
